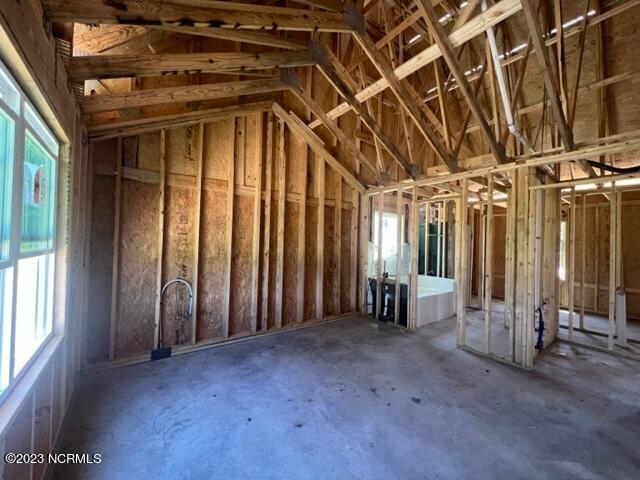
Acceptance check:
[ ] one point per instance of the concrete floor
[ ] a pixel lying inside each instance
(357, 399)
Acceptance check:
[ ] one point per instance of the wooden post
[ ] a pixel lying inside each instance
(399, 204)
(510, 267)
(584, 257)
(196, 235)
(488, 273)
(113, 320)
(427, 210)
(613, 226)
(365, 211)
(461, 282)
(443, 258)
(570, 276)
(337, 245)
(353, 289)
(229, 234)
(439, 243)
(280, 226)
(470, 252)
(482, 221)
(257, 215)
(320, 241)
(413, 278)
(264, 321)
(596, 287)
(379, 263)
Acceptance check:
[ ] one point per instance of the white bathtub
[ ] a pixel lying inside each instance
(436, 299)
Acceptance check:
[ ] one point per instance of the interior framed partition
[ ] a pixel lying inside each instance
(600, 294)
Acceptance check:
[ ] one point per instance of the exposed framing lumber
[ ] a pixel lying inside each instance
(300, 128)
(623, 145)
(122, 66)
(476, 26)
(196, 234)
(230, 15)
(337, 247)
(233, 35)
(549, 77)
(257, 216)
(446, 48)
(407, 97)
(488, 271)
(189, 93)
(161, 201)
(333, 127)
(279, 278)
(462, 275)
(571, 262)
(228, 241)
(144, 125)
(264, 314)
(113, 318)
(318, 53)
(320, 240)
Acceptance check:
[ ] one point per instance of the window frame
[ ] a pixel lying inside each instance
(21, 127)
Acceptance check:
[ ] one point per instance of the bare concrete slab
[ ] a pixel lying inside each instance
(362, 400)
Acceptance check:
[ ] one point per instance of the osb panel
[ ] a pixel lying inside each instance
(212, 265)
(137, 268)
(295, 150)
(177, 262)
(218, 144)
(100, 268)
(499, 239)
(310, 262)
(181, 150)
(149, 151)
(252, 148)
(105, 151)
(345, 262)
(290, 274)
(242, 247)
(329, 259)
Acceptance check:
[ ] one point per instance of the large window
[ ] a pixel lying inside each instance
(28, 162)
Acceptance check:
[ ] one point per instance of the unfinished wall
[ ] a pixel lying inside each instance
(240, 279)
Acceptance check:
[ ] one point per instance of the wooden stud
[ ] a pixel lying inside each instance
(583, 260)
(320, 241)
(399, 205)
(379, 272)
(613, 226)
(461, 276)
(570, 270)
(488, 273)
(113, 320)
(413, 278)
(257, 216)
(282, 187)
(228, 247)
(267, 225)
(196, 234)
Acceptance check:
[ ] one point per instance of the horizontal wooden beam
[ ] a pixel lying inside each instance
(298, 126)
(242, 36)
(150, 124)
(141, 98)
(196, 13)
(477, 25)
(118, 66)
(626, 144)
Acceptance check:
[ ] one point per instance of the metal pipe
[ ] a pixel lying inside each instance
(502, 86)
(179, 280)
